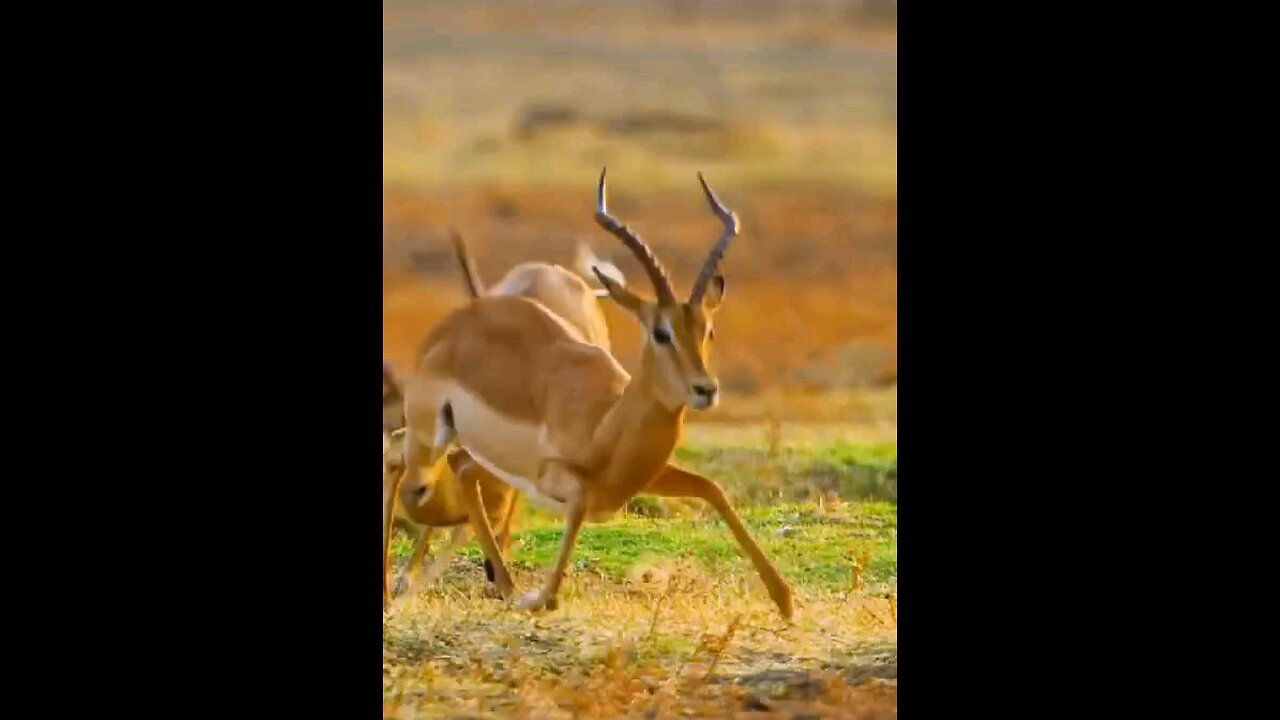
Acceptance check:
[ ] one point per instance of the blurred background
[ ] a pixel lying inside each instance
(497, 117)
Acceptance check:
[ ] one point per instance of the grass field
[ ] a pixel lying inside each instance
(661, 616)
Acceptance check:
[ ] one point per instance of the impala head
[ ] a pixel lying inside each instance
(677, 333)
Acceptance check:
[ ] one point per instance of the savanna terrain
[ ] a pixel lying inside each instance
(497, 119)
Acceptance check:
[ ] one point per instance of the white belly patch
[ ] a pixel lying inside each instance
(519, 483)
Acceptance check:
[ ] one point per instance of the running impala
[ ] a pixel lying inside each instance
(540, 406)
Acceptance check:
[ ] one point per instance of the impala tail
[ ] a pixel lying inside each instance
(475, 286)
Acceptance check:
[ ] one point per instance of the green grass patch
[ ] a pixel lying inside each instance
(760, 475)
(811, 546)
(822, 511)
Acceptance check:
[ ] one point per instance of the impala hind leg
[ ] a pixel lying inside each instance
(674, 482)
(504, 508)
(560, 482)
(468, 475)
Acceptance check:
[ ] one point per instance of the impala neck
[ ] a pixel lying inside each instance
(640, 432)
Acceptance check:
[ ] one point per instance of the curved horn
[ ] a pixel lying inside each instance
(731, 228)
(658, 276)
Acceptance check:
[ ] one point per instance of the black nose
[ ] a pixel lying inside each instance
(705, 391)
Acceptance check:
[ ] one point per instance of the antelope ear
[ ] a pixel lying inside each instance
(621, 294)
(714, 295)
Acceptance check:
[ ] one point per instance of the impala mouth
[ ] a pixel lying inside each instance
(703, 396)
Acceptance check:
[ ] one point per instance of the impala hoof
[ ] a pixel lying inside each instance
(399, 585)
(533, 601)
(399, 604)
(786, 606)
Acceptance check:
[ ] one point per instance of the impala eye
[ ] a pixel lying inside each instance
(711, 334)
(661, 336)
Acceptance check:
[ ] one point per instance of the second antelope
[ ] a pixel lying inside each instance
(539, 405)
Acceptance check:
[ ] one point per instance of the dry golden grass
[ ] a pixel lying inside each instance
(669, 642)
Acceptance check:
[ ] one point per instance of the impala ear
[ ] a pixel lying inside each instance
(588, 263)
(714, 295)
(620, 294)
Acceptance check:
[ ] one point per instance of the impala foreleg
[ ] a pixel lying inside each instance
(390, 487)
(409, 579)
(417, 458)
(417, 578)
(674, 482)
(460, 536)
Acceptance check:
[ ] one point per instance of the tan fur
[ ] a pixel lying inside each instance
(485, 348)
(563, 293)
(527, 395)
